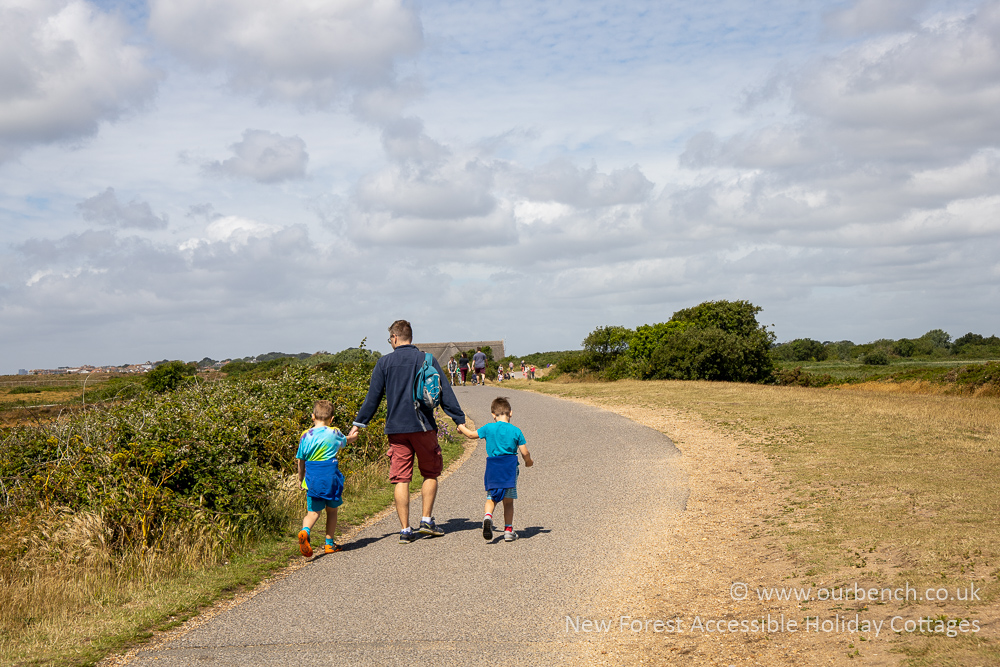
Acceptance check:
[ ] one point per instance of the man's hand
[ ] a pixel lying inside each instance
(352, 436)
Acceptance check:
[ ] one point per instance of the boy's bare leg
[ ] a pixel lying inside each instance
(331, 523)
(489, 506)
(428, 492)
(508, 511)
(310, 520)
(401, 495)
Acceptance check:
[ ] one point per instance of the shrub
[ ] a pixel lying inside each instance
(904, 347)
(648, 337)
(876, 357)
(212, 453)
(800, 378)
(801, 349)
(712, 354)
(168, 376)
(605, 344)
(842, 349)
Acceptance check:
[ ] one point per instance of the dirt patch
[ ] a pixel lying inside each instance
(699, 572)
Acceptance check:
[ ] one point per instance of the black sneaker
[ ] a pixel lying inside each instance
(407, 536)
(430, 528)
(487, 529)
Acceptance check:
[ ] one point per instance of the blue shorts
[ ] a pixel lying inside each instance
(320, 504)
(510, 493)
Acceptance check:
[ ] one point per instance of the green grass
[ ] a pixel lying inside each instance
(897, 370)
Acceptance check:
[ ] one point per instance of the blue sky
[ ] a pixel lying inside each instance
(228, 177)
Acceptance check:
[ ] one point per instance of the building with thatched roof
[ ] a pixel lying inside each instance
(444, 351)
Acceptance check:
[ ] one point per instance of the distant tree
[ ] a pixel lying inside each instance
(648, 337)
(970, 339)
(802, 349)
(736, 317)
(841, 349)
(605, 344)
(938, 338)
(168, 376)
(876, 357)
(711, 354)
(904, 347)
(723, 341)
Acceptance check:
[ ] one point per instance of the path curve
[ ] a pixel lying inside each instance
(458, 600)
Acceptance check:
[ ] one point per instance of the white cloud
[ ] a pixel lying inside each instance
(873, 16)
(923, 96)
(458, 189)
(561, 181)
(265, 157)
(106, 210)
(230, 230)
(65, 67)
(303, 51)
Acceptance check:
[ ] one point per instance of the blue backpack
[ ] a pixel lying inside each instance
(426, 386)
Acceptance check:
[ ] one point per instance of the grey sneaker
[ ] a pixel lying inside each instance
(406, 536)
(509, 536)
(487, 529)
(430, 528)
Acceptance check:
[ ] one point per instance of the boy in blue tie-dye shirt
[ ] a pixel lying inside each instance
(316, 461)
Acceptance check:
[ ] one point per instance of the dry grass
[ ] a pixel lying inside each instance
(876, 483)
(66, 597)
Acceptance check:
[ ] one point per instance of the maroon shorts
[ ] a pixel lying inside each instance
(402, 447)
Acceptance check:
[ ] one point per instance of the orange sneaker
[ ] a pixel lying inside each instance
(333, 548)
(304, 546)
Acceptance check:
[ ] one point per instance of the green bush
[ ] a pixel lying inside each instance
(801, 349)
(605, 344)
(648, 337)
(712, 354)
(797, 377)
(202, 455)
(876, 357)
(168, 376)
(842, 349)
(904, 347)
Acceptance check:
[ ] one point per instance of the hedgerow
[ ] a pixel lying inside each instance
(206, 453)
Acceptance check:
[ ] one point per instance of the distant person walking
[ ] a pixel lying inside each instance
(452, 369)
(410, 434)
(479, 363)
(463, 366)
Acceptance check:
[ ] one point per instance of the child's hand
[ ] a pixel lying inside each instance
(528, 462)
(352, 437)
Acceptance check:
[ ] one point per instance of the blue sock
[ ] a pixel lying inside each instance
(329, 541)
(305, 528)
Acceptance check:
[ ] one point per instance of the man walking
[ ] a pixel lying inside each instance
(479, 363)
(393, 378)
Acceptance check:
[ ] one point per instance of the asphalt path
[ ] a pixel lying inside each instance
(458, 599)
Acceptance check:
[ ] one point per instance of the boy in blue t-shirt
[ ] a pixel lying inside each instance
(319, 474)
(503, 442)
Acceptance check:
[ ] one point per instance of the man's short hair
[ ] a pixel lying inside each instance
(479, 349)
(500, 407)
(323, 410)
(401, 329)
